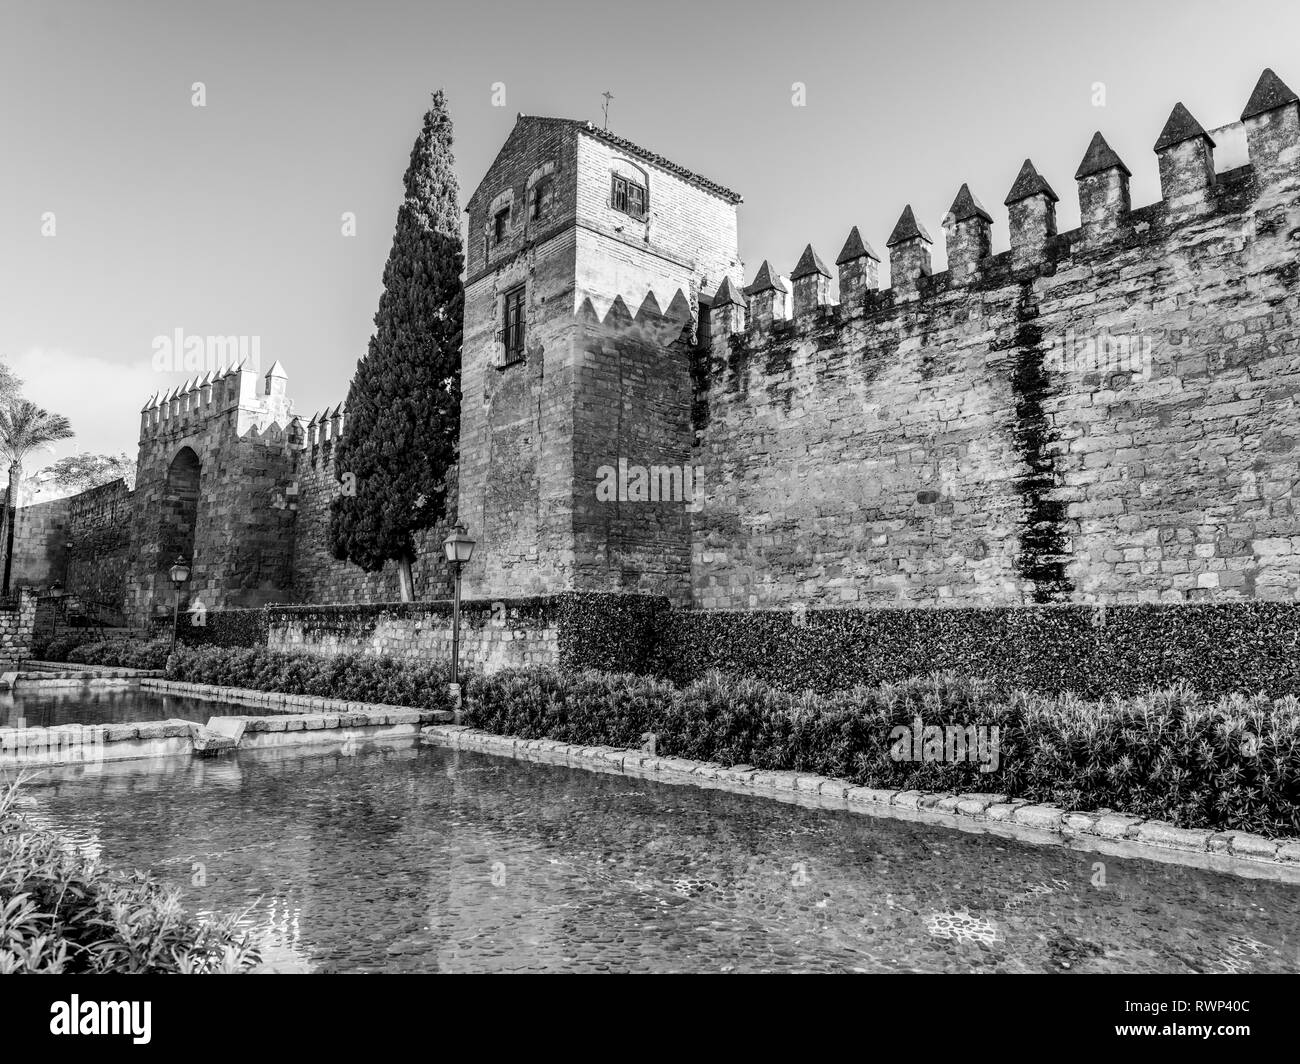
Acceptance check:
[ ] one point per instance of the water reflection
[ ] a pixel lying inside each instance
(404, 858)
(47, 707)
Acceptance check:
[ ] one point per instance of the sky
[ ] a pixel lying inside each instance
(127, 212)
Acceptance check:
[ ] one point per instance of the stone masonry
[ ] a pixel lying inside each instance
(1104, 415)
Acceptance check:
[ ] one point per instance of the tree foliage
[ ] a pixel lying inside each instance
(80, 472)
(403, 407)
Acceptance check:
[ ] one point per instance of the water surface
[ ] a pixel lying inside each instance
(424, 859)
(44, 707)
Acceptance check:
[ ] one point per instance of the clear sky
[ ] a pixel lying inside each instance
(226, 219)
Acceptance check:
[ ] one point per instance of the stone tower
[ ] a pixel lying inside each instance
(215, 467)
(586, 262)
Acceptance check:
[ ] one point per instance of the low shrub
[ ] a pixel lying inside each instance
(1167, 755)
(122, 653)
(58, 648)
(353, 677)
(63, 912)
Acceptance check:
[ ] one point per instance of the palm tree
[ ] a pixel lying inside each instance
(24, 426)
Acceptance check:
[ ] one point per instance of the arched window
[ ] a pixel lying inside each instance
(630, 190)
(541, 192)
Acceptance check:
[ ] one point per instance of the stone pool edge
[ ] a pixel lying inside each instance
(333, 720)
(1118, 834)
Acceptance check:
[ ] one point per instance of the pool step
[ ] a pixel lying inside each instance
(219, 736)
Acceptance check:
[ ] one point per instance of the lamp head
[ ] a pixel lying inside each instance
(179, 572)
(458, 547)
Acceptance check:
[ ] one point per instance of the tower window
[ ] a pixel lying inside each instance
(542, 194)
(512, 325)
(629, 197)
(500, 226)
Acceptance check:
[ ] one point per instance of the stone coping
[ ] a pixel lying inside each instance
(79, 743)
(45, 670)
(176, 728)
(1121, 834)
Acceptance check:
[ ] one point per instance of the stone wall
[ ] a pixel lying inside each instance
(235, 431)
(99, 529)
(320, 577)
(494, 635)
(611, 302)
(1105, 415)
(40, 538)
(17, 625)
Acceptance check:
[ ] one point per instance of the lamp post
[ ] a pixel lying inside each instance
(57, 593)
(459, 548)
(179, 573)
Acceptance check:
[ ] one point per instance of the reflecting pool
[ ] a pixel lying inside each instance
(405, 858)
(33, 706)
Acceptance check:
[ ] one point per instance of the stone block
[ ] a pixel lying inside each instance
(1158, 833)
(1043, 817)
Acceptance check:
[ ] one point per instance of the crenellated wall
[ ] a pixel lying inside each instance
(215, 459)
(1104, 415)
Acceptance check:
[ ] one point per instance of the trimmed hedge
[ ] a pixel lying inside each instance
(1167, 756)
(62, 912)
(617, 633)
(226, 628)
(353, 677)
(1219, 649)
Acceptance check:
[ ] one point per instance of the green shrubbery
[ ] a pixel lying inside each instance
(353, 677)
(1167, 756)
(122, 653)
(62, 912)
(610, 631)
(1219, 648)
(226, 628)
(58, 648)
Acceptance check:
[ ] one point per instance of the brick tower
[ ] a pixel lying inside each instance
(586, 262)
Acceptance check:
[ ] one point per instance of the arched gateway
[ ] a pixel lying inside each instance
(216, 467)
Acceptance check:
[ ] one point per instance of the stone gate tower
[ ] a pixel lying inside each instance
(213, 480)
(586, 259)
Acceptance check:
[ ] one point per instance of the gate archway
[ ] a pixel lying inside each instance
(180, 512)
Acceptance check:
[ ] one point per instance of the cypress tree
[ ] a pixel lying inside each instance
(403, 406)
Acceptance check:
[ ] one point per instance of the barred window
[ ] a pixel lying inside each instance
(629, 197)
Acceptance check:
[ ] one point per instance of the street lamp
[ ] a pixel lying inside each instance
(179, 573)
(459, 548)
